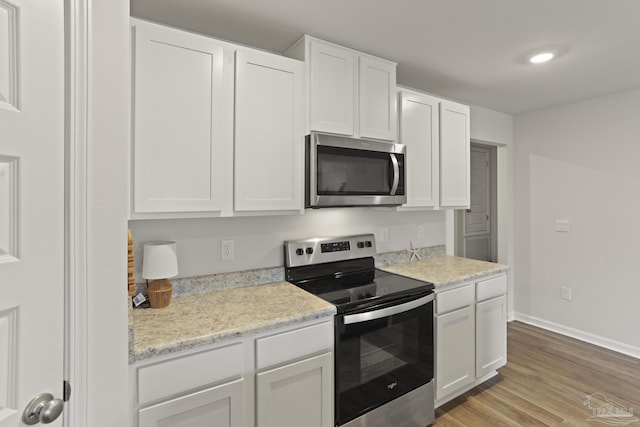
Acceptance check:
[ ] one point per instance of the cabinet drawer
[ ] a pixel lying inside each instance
(291, 345)
(454, 299)
(491, 288)
(179, 375)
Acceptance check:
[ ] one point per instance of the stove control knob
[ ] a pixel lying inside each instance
(360, 245)
(299, 252)
(309, 251)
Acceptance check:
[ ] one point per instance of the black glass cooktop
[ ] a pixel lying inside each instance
(355, 284)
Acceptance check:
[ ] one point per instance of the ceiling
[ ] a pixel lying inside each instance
(472, 51)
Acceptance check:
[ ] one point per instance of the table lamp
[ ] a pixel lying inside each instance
(160, 261)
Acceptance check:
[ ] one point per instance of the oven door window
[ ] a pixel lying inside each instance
(344, 171)
(379, 360)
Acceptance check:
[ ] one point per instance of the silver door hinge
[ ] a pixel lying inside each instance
(66, 390)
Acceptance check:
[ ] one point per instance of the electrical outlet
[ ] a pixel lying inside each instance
(227, 250)
(420, 231)
(566, 293)
(384, 234)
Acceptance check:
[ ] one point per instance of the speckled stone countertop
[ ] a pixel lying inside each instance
(198, 320)
(446, 272)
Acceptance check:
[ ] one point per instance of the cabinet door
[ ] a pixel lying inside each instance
(491, 335)
(377, 99)
(298, 394)
(455, 146)
(331, 89)
(179, 139)
(455, 351)
(269, 137)
(215, 407)
(420, 132)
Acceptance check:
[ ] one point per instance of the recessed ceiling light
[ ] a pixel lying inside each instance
(541, 57)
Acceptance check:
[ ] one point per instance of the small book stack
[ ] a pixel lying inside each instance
(131, 266)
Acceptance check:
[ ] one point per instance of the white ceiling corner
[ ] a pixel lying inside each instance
(473, 51)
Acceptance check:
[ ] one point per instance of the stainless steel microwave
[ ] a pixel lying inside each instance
(342, 171)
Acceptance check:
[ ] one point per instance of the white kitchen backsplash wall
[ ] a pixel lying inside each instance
(258, 240)
(577, 180)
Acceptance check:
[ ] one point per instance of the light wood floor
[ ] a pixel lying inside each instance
(545, 383)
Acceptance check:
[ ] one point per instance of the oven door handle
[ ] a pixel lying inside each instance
(388, 311)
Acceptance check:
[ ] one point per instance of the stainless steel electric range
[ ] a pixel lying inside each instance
(383, 331)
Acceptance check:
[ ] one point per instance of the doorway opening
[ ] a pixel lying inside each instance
(477, 227)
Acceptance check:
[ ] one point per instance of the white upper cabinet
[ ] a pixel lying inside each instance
(378, 111)
(331, 89)
(350, 93)
(420, 132)
(436, 133)
(455, 149)
(218, 128)
(269, 139)
(179, 136)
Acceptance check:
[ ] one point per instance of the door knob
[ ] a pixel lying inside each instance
(42, 409)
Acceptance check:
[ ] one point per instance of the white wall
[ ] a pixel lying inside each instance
(491, 126)
(580, 162)
(496, 128)
(258, 240)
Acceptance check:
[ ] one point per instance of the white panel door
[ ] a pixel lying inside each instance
(269, 137)
(377, 95)
(477, 223)
(455, 145)
(420, 132)
(32, 173)
(491, 335)
(179, 138)
(331, 89)
(477, 216)
(298, 394)
(455, 351)
(219, 406)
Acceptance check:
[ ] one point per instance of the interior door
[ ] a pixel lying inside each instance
(477, 219)
(31, 204)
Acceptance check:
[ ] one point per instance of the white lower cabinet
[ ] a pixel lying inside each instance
(491, 335)
(471, 336)
(219, 406)
(455, 351)
(297, 394)
(283, 378)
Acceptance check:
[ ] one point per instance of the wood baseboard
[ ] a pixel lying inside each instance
(600, 341)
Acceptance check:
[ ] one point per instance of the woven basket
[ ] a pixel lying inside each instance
(159, 292)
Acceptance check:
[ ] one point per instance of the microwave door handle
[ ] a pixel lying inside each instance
(386, 312)
(396, 174)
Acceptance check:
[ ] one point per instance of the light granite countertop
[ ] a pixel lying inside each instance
(446, 272)
(198, 320)
(192, 321)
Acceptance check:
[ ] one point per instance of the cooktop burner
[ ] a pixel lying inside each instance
(341, 271)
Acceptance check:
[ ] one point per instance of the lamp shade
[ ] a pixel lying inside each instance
(160, 260)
